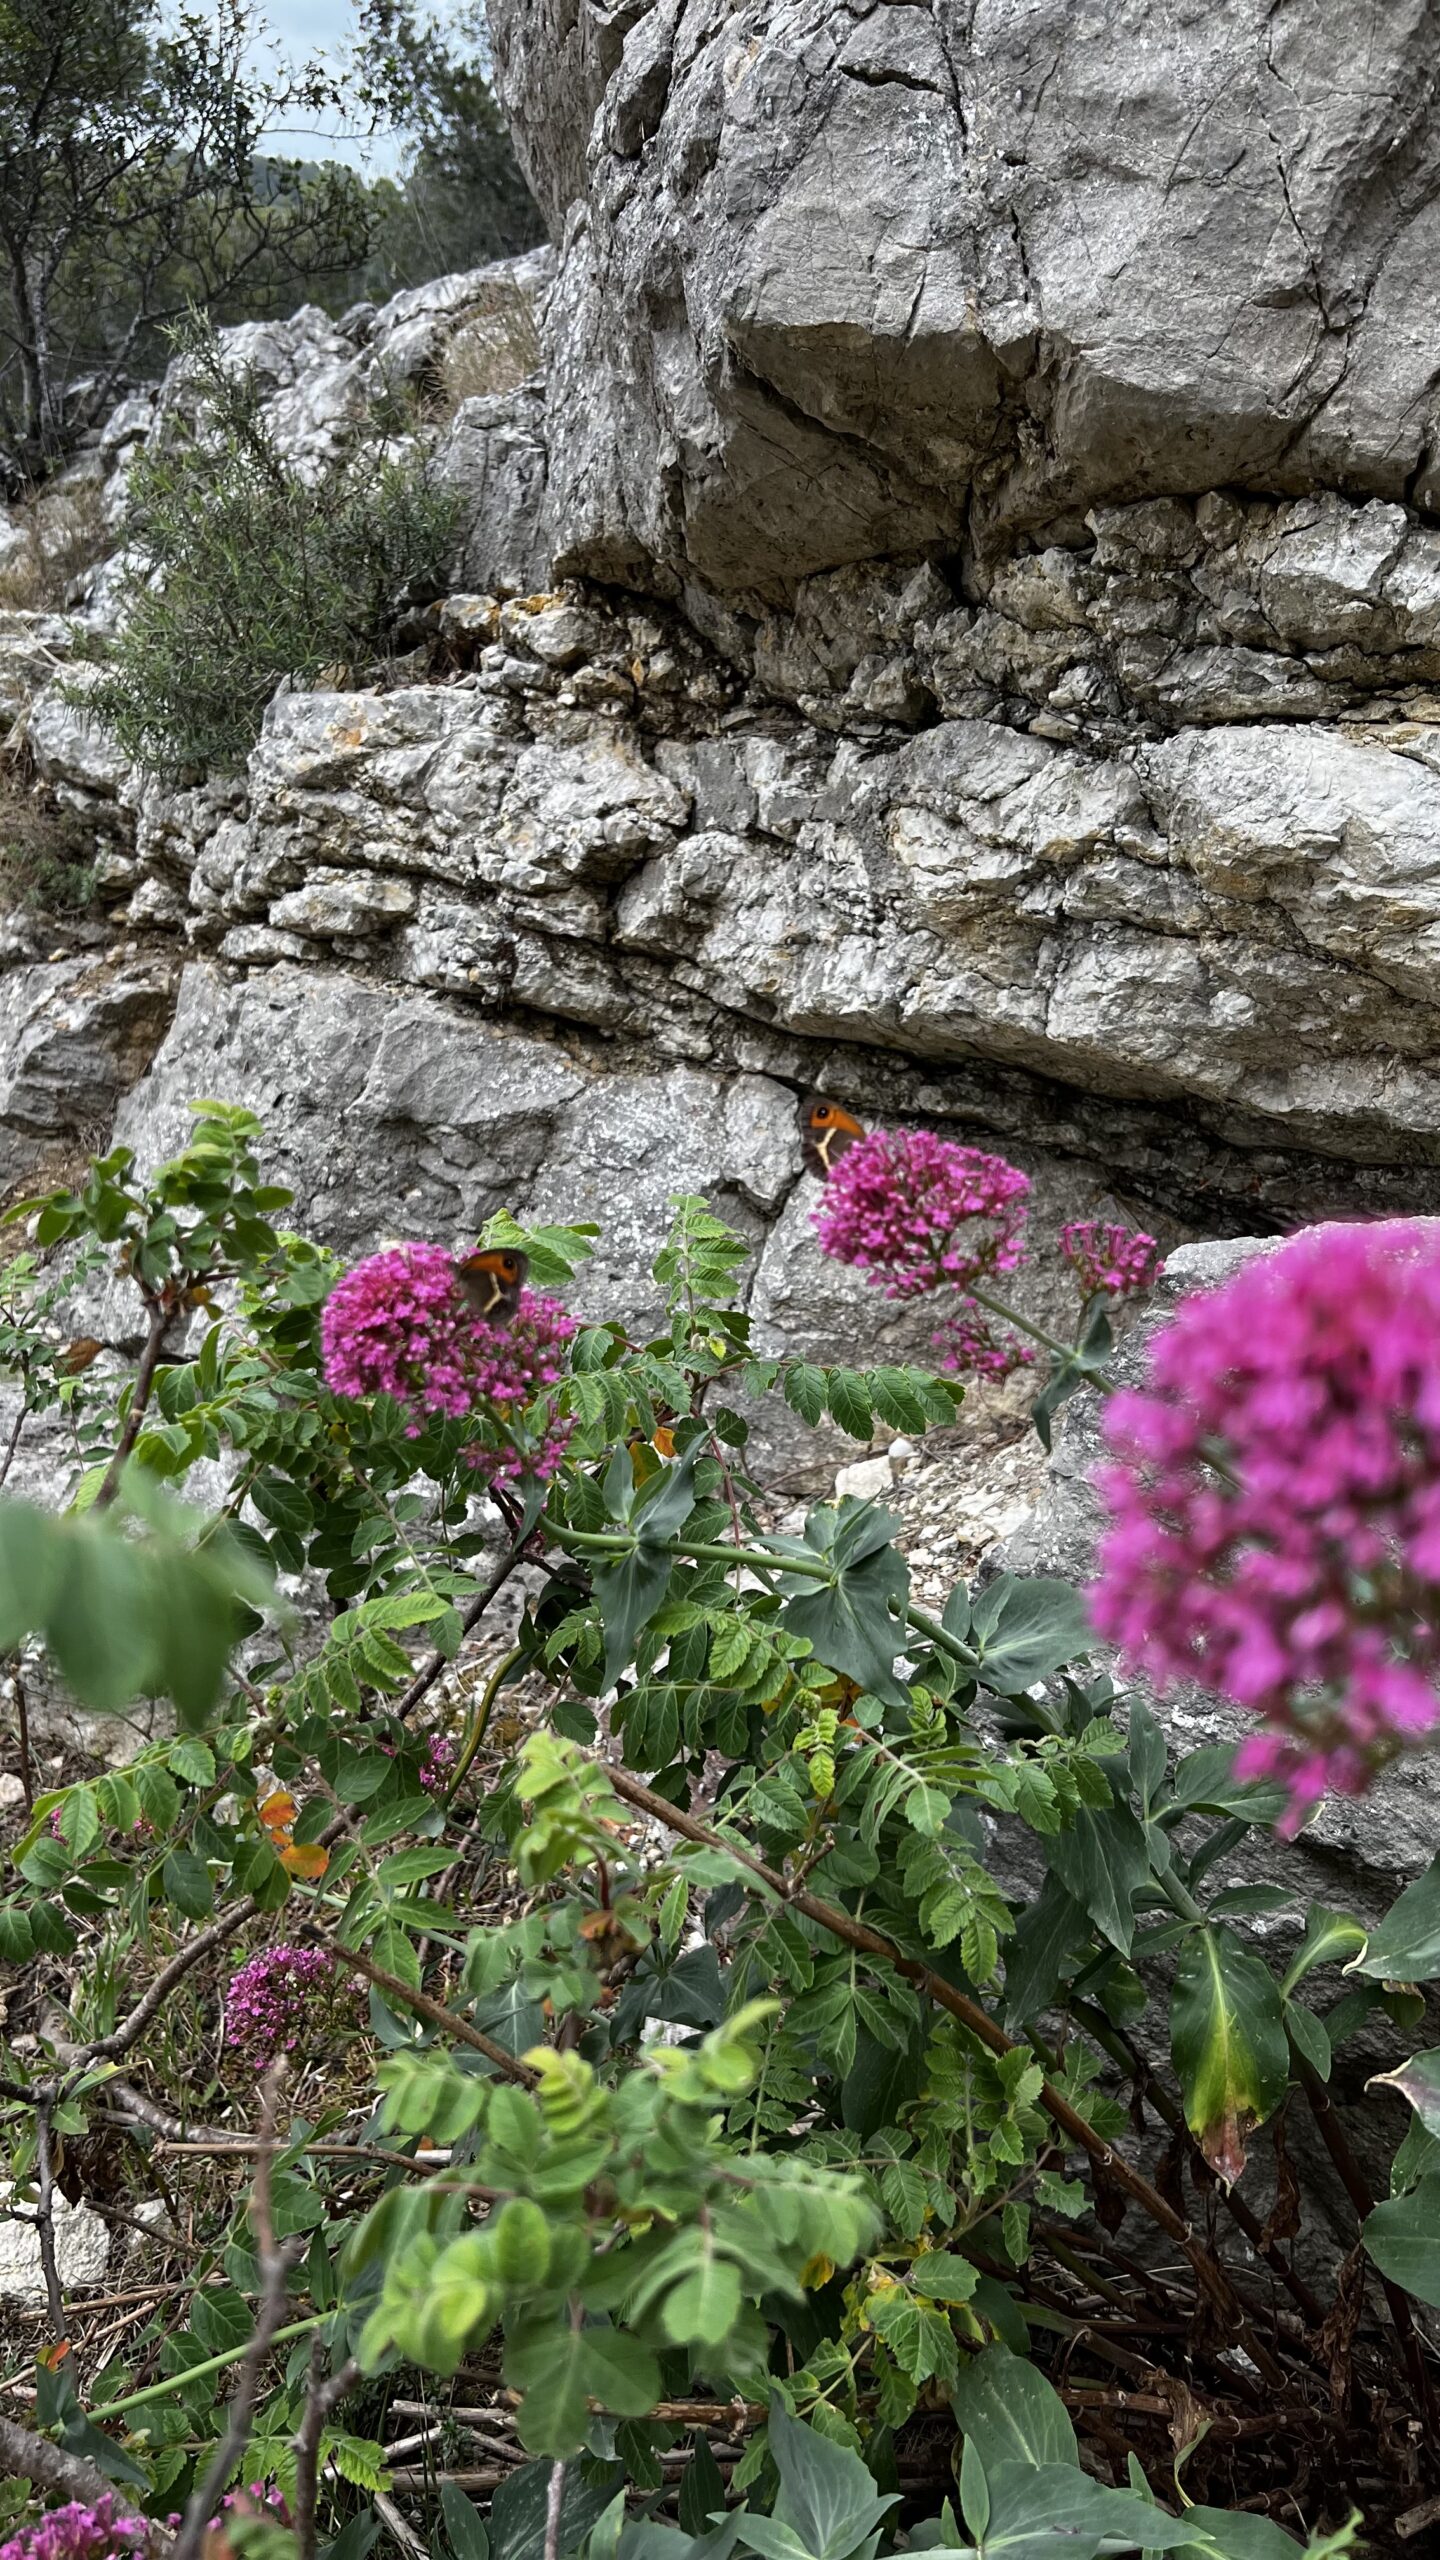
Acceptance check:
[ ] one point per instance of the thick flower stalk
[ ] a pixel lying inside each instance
(1108, 1260)
(398, 1325)
(271, 2001)
(101, 2532)
(1275, 1506)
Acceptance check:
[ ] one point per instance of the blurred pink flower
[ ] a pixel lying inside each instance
(1275, 1505)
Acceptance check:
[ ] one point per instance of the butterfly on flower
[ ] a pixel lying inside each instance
(491, 1280)
(826, 1130)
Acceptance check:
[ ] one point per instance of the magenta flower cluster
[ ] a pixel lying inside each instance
(270, 2002)
(101, 2532)
(1109, 1260)
(398, 1325)
(1275, 1505)
(967, 1344)
(918, 1212)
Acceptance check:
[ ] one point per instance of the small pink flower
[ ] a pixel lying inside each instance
(1274, 1503)
(76, 2532)
(1108, 1260)
(969, 1344)
(270, 2002)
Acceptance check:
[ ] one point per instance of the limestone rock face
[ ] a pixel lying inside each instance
(842, 282)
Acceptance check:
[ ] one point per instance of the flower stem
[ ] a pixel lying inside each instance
(196, 2372)
(1099, 1378)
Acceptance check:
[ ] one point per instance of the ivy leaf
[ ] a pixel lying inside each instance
(1227, 2036)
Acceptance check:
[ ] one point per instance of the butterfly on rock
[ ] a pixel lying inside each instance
(826, 1130)
(491, 1280)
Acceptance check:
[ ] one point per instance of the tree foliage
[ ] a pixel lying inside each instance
(245, 571)
(134, 184)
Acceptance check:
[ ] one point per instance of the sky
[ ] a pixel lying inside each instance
(302, 29)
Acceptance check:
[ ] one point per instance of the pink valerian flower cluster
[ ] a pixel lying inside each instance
(101, 2532)
(399, 1325)
(1275, 1505)
(969, 1345)
(515, 1364)
(1109, 1260)
(917, 1212)
(270, 2002)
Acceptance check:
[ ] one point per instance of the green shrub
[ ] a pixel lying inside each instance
(47, 852)
(247, 572)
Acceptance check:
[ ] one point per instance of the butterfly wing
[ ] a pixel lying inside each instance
(826, 1130)
(491, 1280)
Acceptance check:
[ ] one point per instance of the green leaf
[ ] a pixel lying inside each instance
(185, 1881)
(1012, 2412)
(1102, 1861)
(855, 1621)
(827, 2496)
(193, 1760)
(1227, 2036)
(703, 2308)
(1024, 1629)
(618, 2372)
(849, 1404)
(803, 1386)
(31, 1565)
(517, 2517)
(1406, 1946)
(548, 2366)
(464, 2525)
(1331, 1937)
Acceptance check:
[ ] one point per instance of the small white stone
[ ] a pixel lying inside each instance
(11, 1790)
(865, 1479)
(900, 1452)
(82, 2251)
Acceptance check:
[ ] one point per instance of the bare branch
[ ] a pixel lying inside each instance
(274, 2264)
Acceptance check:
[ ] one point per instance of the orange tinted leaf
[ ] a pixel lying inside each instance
(304, 1858)
(53, 2357)
(665, 1441)
(278, 1812)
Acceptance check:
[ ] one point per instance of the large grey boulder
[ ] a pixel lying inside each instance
(839, 282)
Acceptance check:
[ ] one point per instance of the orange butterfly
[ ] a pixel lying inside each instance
(491, 1280)
(304, 1858)
(826, 1130)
